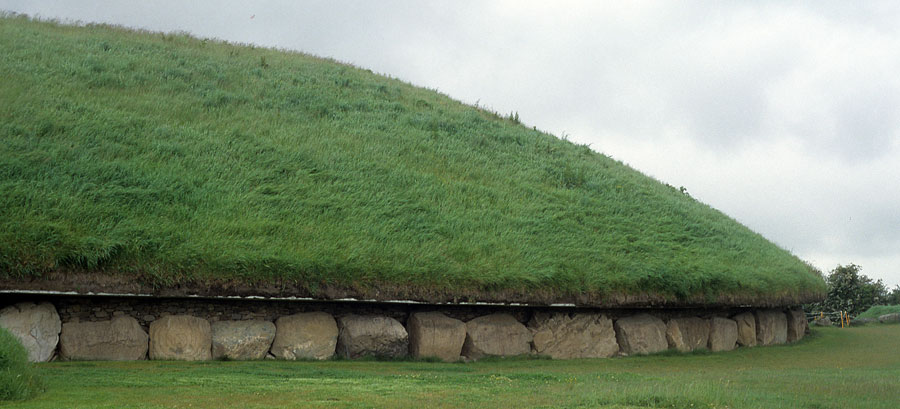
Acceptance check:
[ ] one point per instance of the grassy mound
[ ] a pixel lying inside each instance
(18, 379)
(173, 161)
(876, 311)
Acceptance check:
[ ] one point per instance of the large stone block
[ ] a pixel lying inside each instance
(562, 336)
(746, 327)
(433, 334)
(180, 337)
(723, 334)
(822, 322)
(119, 339)
(311, 335)
(892, 318)
(687, 334)
(496, 334)
(372, 335)
(242, 340)
(641, 334)
(37, 326)
(796, 325)
(771, 327)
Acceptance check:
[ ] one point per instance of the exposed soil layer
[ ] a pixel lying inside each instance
(86, 284)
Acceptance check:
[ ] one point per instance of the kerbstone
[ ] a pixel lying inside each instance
(822, 322)
(723, 334)
(433, 334)
(564, 336)
(119, 339)
(311, 335)
(496, 334)
(641, 334)
(687, 334)
(796, 325)
(37, 327)
(893, 318)
(746, 327)
(242, 340)
(180, 337)
(771, 327)
(372, 335)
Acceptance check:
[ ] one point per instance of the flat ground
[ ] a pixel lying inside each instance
(833, 368)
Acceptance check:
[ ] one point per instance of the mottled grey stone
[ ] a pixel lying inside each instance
(242, 340)
(496, 334)
(311, 335)
(180, 337)
(119, 339)
(687, 334)
(641, 334)
(579, 335)
(372, 335)
(433, 334)
(37, 327)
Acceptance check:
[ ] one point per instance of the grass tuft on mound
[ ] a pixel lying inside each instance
(18, 380)
(168, 160)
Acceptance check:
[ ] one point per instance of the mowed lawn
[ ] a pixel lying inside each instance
(833, 368)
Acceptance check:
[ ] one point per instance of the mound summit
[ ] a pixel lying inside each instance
(160, 163)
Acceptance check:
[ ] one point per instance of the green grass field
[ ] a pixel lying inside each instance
(171, 160)
(834, 368)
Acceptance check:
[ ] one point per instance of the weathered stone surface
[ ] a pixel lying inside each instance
(496, 334)
(562, 336)
(37, 326)
(180, 337)
(687, 334)
(120, 339)
(433, 334)
(771, 327)
(311, 335)
(641, 334)
(796, 325)
(746, 327)
(374, 335)
(893, 318)
(242, 340)
(822, 322)
(723, 334)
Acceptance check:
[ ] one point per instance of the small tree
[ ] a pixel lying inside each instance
(893, 298)
(850, 291)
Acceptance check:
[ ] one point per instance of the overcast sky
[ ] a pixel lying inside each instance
(784, 116)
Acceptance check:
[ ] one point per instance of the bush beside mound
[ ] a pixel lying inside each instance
(18, 380)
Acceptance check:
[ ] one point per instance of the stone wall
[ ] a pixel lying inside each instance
(126, 328)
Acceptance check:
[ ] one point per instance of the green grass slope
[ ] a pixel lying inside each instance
(876, 311)
(170, 161)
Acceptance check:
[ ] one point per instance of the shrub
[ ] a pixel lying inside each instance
(18, 379)
(850, 291)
